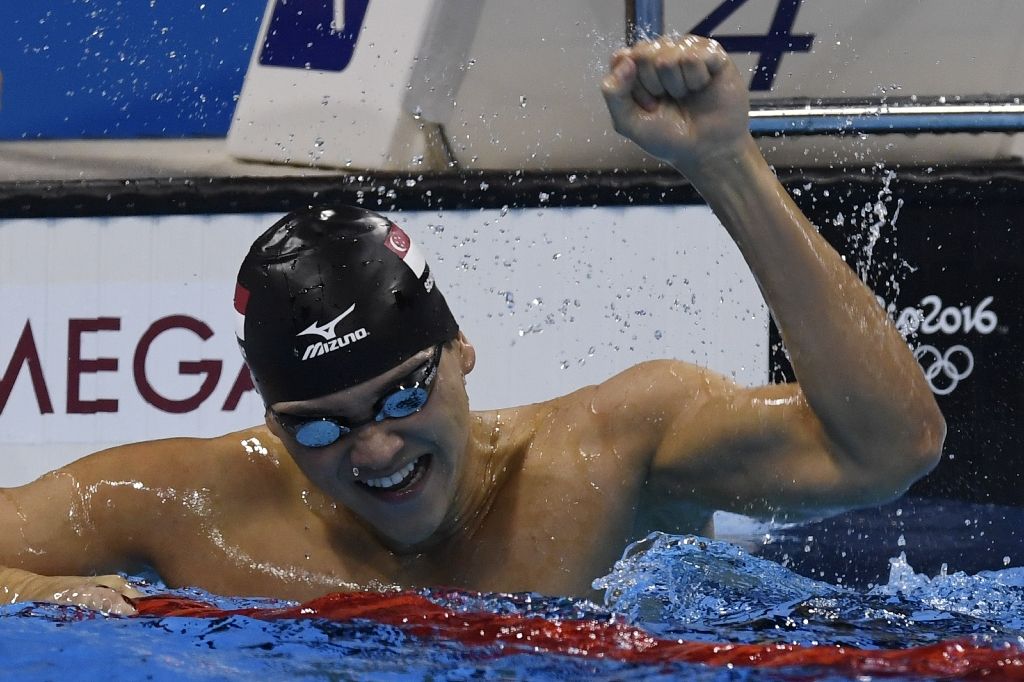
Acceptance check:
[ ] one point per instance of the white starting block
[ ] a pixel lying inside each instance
(397, 85)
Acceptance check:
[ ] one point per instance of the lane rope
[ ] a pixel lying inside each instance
(508, 634)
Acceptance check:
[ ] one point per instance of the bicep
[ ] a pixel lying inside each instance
(69, 521)
(758, 451)
(701, 438)
(44, 527)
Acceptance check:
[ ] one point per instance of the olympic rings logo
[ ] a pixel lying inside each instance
(956, 364)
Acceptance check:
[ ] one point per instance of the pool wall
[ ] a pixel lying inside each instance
(118, 328)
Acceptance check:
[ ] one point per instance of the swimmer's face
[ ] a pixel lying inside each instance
(399, 475)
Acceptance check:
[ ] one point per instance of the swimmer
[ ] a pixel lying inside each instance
(371, 469)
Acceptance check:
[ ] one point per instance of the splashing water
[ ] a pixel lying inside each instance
(877, 221)
(708, 589)
(667, 593)
(664, 581)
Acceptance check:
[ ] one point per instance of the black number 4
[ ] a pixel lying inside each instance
(771, 47)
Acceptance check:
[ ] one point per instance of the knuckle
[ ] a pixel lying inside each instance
(114, 582)
(646, 49)
(690, 59)
(664, 62)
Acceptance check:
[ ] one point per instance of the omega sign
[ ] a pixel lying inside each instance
(26, 361)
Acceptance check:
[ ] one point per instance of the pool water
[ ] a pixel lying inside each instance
(665, 588)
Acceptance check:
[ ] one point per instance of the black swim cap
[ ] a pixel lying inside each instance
(330, 297)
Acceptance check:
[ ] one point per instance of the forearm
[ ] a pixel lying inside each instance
(854, 368)
(17, 585)
(105, 593)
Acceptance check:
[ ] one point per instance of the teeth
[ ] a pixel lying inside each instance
(392, 480)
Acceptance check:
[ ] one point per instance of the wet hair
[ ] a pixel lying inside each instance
(330, 297)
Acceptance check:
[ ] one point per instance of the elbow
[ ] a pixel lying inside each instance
(919, 454)
(927, 449)
(895, 466)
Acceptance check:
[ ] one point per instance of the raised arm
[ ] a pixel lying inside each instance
(861, 424)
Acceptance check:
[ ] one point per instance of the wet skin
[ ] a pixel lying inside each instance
(530, 498)
(540, 497)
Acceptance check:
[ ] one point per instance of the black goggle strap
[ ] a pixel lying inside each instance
(423, 376)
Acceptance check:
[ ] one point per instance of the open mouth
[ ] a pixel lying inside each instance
(400, 481)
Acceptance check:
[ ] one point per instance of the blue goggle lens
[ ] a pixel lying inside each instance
(318, 434)
(403, 403)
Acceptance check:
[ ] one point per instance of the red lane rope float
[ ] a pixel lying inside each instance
(511, 634)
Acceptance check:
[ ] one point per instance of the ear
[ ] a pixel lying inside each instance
(467, 353)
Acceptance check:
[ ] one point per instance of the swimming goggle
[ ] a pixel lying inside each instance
(406, 398)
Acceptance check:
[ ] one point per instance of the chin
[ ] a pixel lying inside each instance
(411, 513)
(411, 541)
(415, 525)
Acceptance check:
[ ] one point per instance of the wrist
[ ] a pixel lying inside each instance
(721, 161)
(17, 585)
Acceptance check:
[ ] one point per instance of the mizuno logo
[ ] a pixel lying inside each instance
(327, 330)
(324, 347)
(331, 341)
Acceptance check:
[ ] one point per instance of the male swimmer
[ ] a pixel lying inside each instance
(371, 468)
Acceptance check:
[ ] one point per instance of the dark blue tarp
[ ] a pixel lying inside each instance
(123, 68)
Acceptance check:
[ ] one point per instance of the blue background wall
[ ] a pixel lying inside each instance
(123, 68)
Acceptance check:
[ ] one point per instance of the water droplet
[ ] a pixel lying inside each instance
(355, 472)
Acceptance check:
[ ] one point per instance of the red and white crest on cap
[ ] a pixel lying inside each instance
(398, 242)
(241, 303)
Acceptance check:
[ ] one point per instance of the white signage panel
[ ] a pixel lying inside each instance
(122, 329)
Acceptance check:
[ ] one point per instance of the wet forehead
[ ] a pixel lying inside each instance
(355, 398)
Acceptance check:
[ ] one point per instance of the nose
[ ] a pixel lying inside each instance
(375, 446)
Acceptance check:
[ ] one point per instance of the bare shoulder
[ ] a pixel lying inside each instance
(649, 392)
(155, 477)
(115, 507)
(186, 459)
(631, 410)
